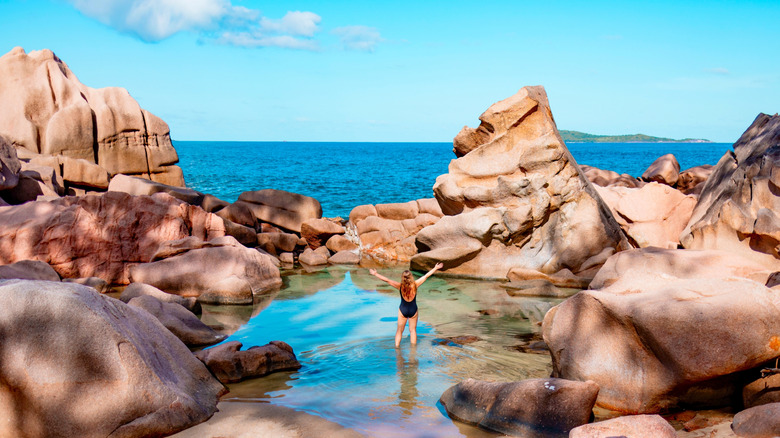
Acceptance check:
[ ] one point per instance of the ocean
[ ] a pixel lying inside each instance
(344, 175)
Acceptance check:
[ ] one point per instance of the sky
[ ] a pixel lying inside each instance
(243, 70)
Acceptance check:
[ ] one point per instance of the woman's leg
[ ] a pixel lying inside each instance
(400, 331)
(413, 328)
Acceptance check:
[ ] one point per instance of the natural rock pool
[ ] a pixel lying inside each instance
(341, 323)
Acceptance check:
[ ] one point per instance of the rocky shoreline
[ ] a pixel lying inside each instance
(678, 270)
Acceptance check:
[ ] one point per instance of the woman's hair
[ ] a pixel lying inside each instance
(408, 286)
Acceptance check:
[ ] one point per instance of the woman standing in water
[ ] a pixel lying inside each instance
(407, 311)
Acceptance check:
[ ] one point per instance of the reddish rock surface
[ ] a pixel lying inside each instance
(529, 408)
(655, 343)
(283, 209)
(80, 364)
(318, 231)
(180, 321)
(634, 426)
(99, 235)
(665, 170)
(231, 365)
(691, 181)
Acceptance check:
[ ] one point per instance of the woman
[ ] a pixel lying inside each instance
(407, 311)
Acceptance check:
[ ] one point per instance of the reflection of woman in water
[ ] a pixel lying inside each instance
(407, 311)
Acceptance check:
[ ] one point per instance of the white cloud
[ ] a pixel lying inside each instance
(358, 37)
(293, 23)
(220, 22)
(718, 70)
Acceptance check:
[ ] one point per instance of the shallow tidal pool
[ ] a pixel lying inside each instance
(341, 322)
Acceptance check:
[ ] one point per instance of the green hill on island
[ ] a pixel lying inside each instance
(576, 136)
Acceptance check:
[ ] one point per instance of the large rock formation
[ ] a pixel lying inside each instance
(738, 205)
(387, 232)
(517, 199)
(99, 235)
(77, 363)
(654, 343)
(283, 209)
(653, 215)
(46, 110)
(231, 364)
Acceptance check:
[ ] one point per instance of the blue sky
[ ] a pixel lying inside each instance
(415, 70)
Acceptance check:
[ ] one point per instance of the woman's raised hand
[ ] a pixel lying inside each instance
(372, 271)
(438, 266)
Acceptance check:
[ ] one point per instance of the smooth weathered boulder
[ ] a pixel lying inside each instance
(314, 257)
(245, 235)
(139, 289)
(537, 288)
(653, 215)
(33, 183)
(318, 231)
(608, 178)
(239, 212)
(48, 111)
(220, 271)
(212, 204)
(345, 258)
(99, 235)
(738, 205)
(283, 209)
(229, 364)
(634, 426)
(75, 171)
(657, 343)
(691, 181)
(28, 270)
(517, 199)
(387, 232)
(758, 422)
(665, 170)
(100, 285)
(282, 242)
(9, 165)
(678, 263)
(529, 408)
(340, 243)
(140, 186)
(77, 363)
(180, 321)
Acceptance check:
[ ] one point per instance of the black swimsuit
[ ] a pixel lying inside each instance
(408, 308)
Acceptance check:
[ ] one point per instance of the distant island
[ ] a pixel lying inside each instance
(576, 136)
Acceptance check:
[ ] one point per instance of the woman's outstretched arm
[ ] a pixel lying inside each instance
(395, 284)
(422, 279)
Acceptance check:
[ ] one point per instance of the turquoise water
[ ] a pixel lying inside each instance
(341, 324)
(344, 175)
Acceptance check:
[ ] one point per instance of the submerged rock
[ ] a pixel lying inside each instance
(231, 365)
(657, 343)
(46, 110)
(535, 408)
(634, 426)
(738, 205)
(517, 199)
(99, 235)
(77, 363)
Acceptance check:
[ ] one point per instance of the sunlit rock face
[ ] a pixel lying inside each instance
(517, 200)
(46, 110)
(738, 205)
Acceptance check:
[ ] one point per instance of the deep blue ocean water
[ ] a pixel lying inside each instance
(344, 175)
